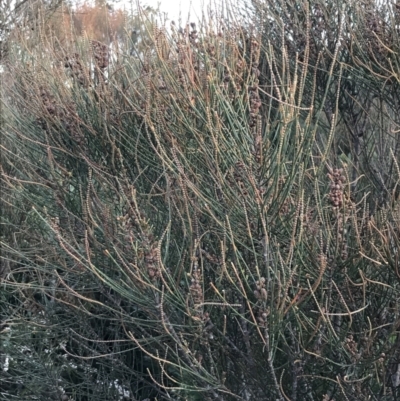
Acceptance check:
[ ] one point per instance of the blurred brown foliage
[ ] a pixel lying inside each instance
(97, 22)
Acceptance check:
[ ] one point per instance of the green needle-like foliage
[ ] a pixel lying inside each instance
(217, 218)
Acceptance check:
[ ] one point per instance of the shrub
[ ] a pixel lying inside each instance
(216, 219)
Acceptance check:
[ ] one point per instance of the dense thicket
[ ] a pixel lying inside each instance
(215, 217)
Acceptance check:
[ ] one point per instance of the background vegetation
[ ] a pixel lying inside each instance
(208, 213)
